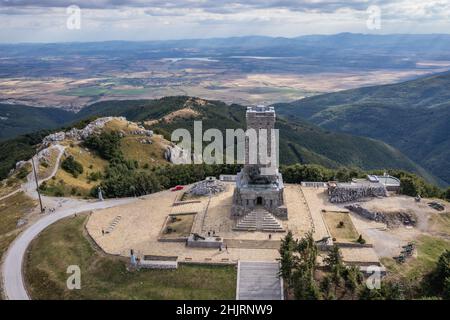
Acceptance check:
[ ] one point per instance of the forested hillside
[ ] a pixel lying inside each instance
(300, 141)
(412, 116)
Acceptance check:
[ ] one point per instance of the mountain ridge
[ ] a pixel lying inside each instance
(412, 116)
(300, 141)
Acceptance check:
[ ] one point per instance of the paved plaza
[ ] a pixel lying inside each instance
(141, 223)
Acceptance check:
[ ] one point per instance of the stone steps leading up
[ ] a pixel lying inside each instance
(113, 224)
(260, 220)
(259, 281)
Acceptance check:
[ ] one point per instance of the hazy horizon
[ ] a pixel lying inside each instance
(231, 37)
(54, 21)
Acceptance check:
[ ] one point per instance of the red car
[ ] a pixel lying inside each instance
(177, 188)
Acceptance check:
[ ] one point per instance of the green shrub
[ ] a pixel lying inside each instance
(361, 240)
(72, 166)
(447, 194)
(43, 186)
(23, 172)
(94, 176)
(440, 277)
(11, 181)
(107, 144)
(409, 187)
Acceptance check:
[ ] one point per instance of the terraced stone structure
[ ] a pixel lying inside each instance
(259, 185)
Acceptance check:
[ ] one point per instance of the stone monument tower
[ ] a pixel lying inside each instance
(259, 185)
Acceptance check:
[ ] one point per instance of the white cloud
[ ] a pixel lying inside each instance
(45, 20)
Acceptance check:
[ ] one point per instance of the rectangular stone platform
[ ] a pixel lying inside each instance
(259, 281)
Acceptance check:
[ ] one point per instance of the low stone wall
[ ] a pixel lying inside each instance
(346, 193)
(181, 239)
(178, 203)
(371, 215)
(353, 245)
(208, 242)
(154, 264)
(392, 219)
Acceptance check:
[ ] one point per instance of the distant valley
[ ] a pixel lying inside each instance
(244, 70)
(412, 116)
(369, 101)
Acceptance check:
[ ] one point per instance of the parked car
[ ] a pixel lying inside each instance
(177, 188)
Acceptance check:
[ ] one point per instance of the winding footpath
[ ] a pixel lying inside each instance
(29, 187)
(12, 268)
(10, 194)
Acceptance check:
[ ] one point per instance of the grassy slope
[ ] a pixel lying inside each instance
(429, 246)
(132, 147)
(104, 277)
(413, 116)
(412, 272)
(14, 181)
(64, 182)
(151, 154)
(11, 210)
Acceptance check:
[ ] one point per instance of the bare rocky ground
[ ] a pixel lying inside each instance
(388, 240)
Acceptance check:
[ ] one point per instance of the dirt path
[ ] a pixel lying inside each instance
(29, 187)
(10, 194)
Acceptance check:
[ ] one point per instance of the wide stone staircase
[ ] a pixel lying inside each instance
(259, 281)
(259, 220)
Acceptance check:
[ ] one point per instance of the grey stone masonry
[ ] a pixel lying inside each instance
(260, 117)
(259, 281)
(259, 220)
(345, 192)
(260, 184)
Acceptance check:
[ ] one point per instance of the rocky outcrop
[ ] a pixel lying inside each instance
(392, 219)
(356, 208)
(177, 155)
(19, 165)
(145, 141)
(92, 128)
(208, 186)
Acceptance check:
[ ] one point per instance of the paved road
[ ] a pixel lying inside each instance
(13, 283)
(259, 281)
(12, 267)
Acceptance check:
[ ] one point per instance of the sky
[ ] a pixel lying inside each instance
(101, 20)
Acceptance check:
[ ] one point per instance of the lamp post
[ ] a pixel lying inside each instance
(37, 184)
